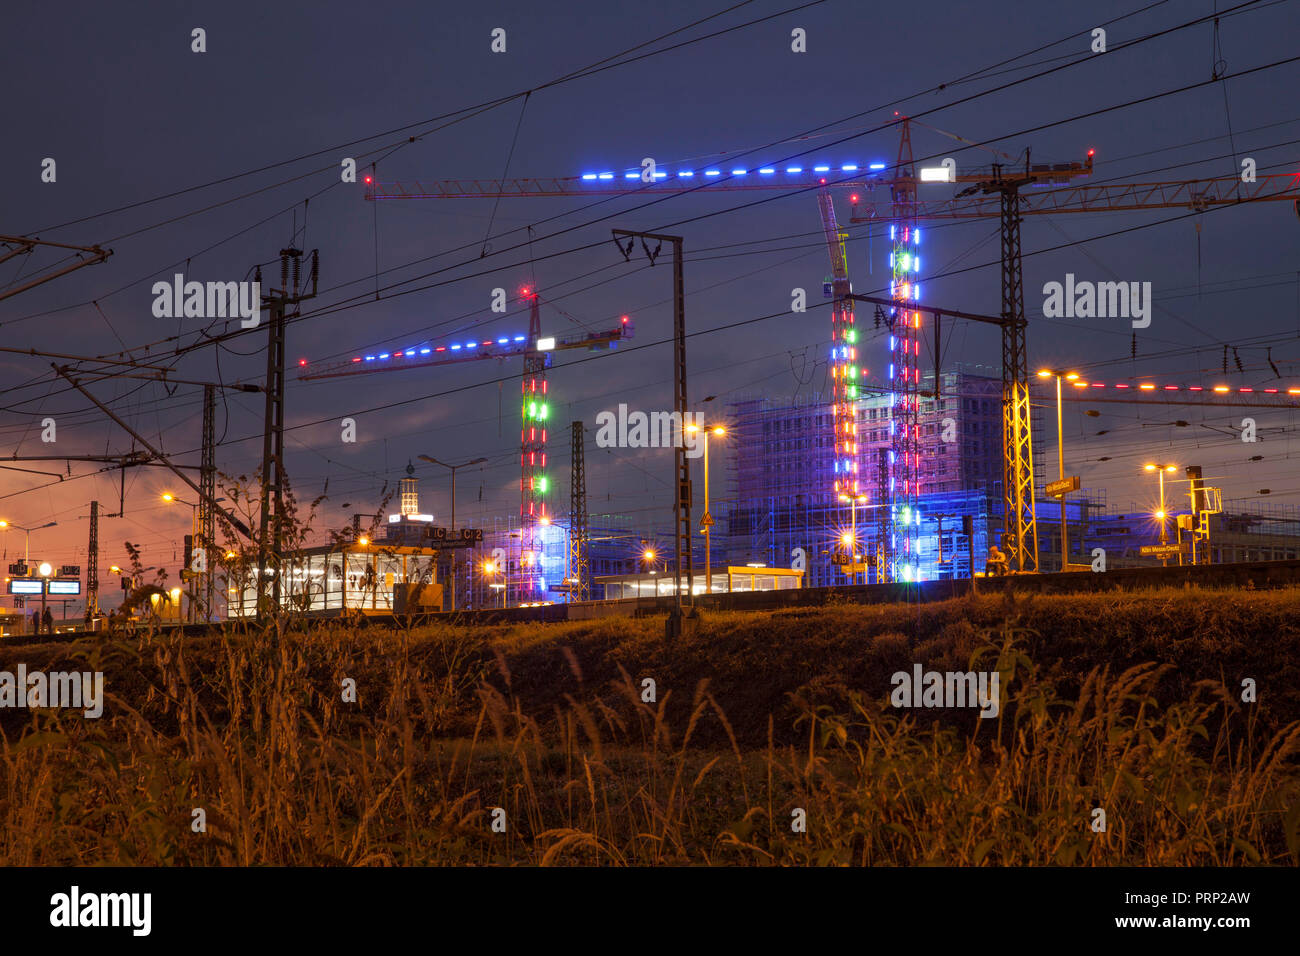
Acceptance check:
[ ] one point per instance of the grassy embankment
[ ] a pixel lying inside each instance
(1131, 703)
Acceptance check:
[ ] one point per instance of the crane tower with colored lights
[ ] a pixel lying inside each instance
(535, 417)
(996, 193)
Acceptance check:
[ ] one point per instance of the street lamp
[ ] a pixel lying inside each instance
(851, 539)
(706, 522)
(452, 468)
(6, 525)
(168, 497)
(1060, 456)
(46, 571)
(1161, 469)
(489, 571)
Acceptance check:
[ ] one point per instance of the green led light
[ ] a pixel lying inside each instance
(541, 484)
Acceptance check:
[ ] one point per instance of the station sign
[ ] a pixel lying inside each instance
(1056, 489)
(1162, 550)
(464, 538)
(64, 587)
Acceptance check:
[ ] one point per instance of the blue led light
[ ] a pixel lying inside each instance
(660, 175)
(425, 351)
(767, 171)
(851, 168)
(712, 172)
(519, 338)
(370, 358)
(794, 169)
(588, 175)
(455, 348)
(821, 169)
(502, 341)
(606, 175)
(891, 231)
(876, 166)
(686, 174)
(383, 355)
(471, 345)
(631, 175)
(739, 172)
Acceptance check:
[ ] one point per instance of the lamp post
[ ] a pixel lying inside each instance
(168, 497)
(46, 571)
(5, 525)
(1160, 469)
(706, 522)
(852, 541)
(452, 468)
(1060, 457)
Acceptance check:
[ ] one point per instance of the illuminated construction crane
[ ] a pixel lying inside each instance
(534, 483)
(992, 192)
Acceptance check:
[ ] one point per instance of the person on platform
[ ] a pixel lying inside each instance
(48, 620)
(996, 564)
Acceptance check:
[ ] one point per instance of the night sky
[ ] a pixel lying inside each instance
(284, 92)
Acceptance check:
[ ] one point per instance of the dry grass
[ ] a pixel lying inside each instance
(548, 724)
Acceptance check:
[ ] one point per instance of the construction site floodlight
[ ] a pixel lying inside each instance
(547, 344)
(935, 174)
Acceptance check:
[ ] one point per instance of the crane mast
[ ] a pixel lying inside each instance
(533, 483)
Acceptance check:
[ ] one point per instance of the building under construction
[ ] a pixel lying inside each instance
(781, 507)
